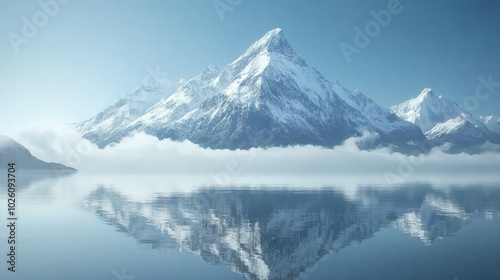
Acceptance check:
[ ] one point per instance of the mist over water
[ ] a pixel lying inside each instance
(145, 154)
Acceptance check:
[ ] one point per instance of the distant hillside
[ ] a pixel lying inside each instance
(12, 151)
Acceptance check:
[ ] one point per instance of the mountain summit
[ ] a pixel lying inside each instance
(274, 42)
(427, 109)
(269, 96)
(444, 121)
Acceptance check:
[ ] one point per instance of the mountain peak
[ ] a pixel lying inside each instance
(427, 92)
(273, 41)
(271, 36)
(427, 95)
(275, 33)
(428, 110)
(272, 53)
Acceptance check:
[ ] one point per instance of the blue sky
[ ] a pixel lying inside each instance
(89, 53)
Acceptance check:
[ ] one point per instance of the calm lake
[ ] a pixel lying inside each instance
(118, 228)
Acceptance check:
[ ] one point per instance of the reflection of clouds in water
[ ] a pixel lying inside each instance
(279, 234)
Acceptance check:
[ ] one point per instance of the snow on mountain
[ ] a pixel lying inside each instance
(100, 128)
(427, 110)
(444, 121)
(269, 96)
(169, 110)
(457, 129)
(386, 122)
(492, 123)
(12, 151)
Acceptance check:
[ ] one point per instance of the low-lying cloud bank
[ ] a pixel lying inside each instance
(143, 153)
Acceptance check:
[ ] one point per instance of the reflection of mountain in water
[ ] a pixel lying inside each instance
(278, 234)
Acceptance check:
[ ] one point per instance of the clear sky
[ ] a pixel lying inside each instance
(86, 54)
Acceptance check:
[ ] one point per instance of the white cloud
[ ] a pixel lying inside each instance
(143, 153)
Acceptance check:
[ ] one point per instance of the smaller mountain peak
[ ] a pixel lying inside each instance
(427, 95)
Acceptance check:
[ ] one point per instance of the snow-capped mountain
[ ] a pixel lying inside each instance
(444, 121)
(101, 128)
(427, 110)
(492, 123)
(388, 124)
(12, 151)
(269, 96)
(168, 111)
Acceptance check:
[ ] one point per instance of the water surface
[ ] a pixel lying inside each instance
(80, 228)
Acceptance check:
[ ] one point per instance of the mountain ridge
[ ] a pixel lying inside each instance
(444, 121)
(270, 97)
(12, 151)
